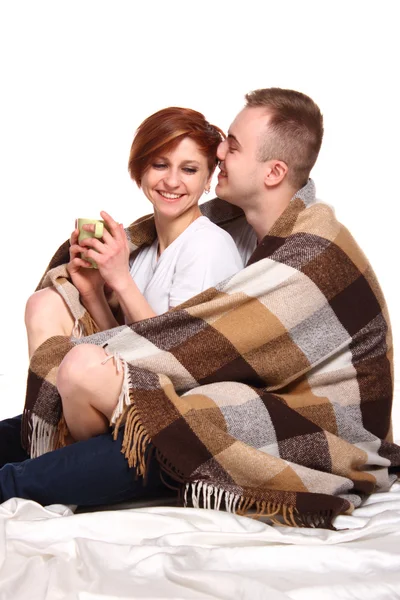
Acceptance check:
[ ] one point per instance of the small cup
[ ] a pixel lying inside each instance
(97, 233)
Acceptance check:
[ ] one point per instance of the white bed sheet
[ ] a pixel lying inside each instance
(51, 553)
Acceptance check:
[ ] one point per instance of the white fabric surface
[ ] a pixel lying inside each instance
(202, 256)
(50, 553)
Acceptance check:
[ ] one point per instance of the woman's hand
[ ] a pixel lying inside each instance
(88, 281)
(111, 254)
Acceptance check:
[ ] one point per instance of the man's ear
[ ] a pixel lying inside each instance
(275, 173)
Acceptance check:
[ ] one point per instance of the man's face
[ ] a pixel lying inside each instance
(241, 179)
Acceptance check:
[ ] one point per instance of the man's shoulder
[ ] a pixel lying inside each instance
(312, 237)
(319, 225)
(319, 219)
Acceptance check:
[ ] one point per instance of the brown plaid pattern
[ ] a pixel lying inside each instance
(269, 394)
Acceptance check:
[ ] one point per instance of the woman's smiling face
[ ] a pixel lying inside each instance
(175, 180)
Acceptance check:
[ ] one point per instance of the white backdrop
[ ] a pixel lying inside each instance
(78, 76)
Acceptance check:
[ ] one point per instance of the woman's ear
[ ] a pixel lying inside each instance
(207, 187)
(275, 173)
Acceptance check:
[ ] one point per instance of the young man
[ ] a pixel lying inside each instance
(329, 339)
(271, 147)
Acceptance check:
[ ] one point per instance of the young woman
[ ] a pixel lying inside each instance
(172, 159)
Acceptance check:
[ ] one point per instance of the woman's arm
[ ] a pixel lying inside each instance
(97, 306)
(134, 305)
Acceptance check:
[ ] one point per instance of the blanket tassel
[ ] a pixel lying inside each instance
(136, 441)
(206, 495)
(62, 433)
(124, 398)
(43, 437)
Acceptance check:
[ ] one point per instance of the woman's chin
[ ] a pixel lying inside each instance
(175, 211)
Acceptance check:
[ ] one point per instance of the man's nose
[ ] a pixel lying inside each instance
(222, 149)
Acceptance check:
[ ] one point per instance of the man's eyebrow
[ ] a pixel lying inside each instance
(231, 137)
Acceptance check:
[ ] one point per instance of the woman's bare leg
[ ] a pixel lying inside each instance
(46, 314)
(89, 390)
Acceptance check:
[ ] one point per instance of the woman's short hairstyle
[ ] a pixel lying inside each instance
(294, 132)
(164, 130)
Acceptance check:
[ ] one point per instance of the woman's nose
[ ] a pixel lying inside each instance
(172, 178)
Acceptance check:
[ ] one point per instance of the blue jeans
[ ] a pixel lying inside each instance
(89, 473)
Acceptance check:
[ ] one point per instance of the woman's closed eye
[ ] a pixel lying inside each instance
(160, 166)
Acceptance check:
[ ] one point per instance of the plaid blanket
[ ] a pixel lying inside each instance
(269, 394)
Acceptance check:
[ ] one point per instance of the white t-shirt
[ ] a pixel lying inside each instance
(202, 256)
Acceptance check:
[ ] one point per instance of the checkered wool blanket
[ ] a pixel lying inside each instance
(269, 394)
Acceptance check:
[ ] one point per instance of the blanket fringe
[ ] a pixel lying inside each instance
(201, 494)
(124, 398)
(87, 325)
(206, 495)
(62, 433)
(44, 436)
(136, 441)
(84, 326)
(77, 331)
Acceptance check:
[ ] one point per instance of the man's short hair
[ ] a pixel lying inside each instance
(294, 133)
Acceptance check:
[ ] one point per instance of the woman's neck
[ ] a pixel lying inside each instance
(169, 229)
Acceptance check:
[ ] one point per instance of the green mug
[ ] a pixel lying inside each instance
(97, 233)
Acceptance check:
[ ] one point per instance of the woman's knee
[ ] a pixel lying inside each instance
(35, 305)
(43, 304)
(79, 367)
